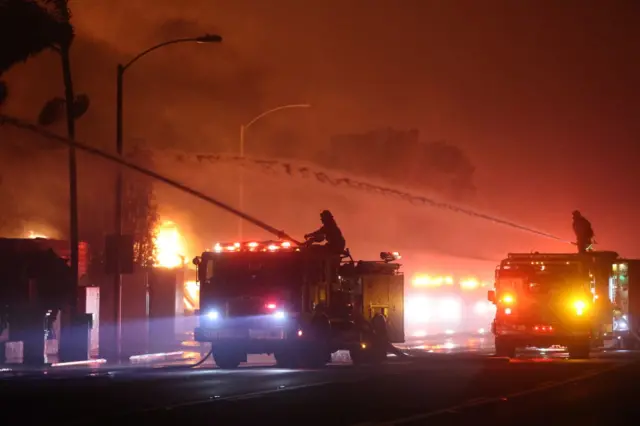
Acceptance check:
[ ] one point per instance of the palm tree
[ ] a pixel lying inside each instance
(4, 91)
(28, 27)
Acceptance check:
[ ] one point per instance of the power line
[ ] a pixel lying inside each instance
(4, 119)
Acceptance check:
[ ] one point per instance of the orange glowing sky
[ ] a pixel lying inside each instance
(541, 95)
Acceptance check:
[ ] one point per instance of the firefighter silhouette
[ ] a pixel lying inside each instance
(329, 232)
(584, 232)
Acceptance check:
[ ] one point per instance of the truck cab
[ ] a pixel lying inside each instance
(299, 303)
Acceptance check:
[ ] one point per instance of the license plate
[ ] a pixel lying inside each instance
(266, 334)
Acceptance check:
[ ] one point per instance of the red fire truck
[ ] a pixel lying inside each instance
(563, 299)
(299, 303)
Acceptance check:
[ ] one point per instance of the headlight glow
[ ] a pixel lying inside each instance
(213, 315)
(580, 306)
(508, 299)
(279, 315)
(620, 325)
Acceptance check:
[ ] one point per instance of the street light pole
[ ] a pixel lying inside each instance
(243, 129)
(241, 182)
(117, 282)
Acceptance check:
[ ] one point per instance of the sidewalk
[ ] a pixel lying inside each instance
(183, 355)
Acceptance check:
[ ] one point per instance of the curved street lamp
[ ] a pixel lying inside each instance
(243, 129)
(207, 38)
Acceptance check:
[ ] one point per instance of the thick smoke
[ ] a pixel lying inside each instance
(217, 175)
(193, 98)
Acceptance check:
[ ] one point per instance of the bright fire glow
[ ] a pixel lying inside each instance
(418, 309)
(484, 308)
(469, 284)
(429, 281)
(170, 246)
(191, 295)
(33, 234)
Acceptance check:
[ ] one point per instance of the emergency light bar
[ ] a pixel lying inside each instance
(255, 246)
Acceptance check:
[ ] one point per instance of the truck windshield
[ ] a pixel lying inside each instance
(544, 283)
(251, 275)
(552, 278)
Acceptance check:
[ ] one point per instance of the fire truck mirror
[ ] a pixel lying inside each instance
(491, 296)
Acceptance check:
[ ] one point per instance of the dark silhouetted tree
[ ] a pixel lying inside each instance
(28, 27)
(140, 214)
(4, 91)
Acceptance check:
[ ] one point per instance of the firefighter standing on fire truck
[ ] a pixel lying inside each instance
(329, 232)
(583, 230)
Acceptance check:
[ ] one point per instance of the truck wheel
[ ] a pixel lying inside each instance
(374, 353)
(227, 360)
(315, 352)
(579, 350)
(378, 350)
(359, 356)
(505, 348)
(629, 343)
(314, 357)
(285, 359)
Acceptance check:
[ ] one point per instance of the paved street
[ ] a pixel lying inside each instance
(427, 387)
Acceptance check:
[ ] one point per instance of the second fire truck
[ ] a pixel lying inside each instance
(571, 300)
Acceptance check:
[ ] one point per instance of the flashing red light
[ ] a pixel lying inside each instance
(270, 306)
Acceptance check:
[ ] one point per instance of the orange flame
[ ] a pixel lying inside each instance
(170, 246)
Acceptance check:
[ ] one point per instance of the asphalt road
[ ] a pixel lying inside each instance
(428, 389)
